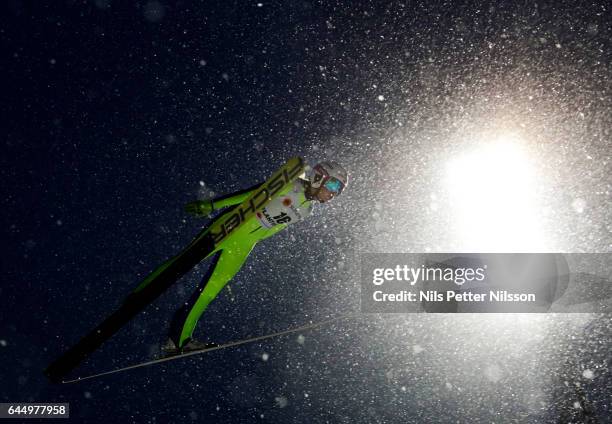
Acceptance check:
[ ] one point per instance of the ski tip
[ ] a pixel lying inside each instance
(56, 372)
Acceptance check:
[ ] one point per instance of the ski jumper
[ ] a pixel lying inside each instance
(230, 237)
(288, 207)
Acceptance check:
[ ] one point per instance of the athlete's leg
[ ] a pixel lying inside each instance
(226, 264)
(178, 320)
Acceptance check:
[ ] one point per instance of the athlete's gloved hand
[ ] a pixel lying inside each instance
(200, 207)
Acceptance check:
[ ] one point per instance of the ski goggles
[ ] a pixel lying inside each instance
(334, 185)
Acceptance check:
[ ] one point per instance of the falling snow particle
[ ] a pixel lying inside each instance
(154, 11)
(259, 4)
(301, 339)
(59, 222)
(87, 395)
(579, 205)
(588, 374)
(281, 401)
(265, 357)
(381, 97)
(417, 349)
(202, 62)
(3, 343)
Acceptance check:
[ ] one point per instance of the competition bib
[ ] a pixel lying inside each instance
(285, 209)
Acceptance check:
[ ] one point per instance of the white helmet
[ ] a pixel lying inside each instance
(331, 175)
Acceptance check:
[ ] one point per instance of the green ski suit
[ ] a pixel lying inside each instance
(231, 253)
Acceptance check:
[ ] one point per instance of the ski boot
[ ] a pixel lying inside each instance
(170, 349)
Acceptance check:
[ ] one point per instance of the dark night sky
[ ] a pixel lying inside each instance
(116, 113)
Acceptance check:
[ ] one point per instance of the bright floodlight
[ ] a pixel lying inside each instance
(493, 197)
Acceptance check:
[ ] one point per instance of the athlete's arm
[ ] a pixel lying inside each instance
(233, 199)
(206, 207)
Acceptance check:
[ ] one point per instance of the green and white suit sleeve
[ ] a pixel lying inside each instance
(206, 207)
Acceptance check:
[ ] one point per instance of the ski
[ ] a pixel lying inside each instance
(208, 349)
(156, 283)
